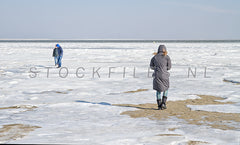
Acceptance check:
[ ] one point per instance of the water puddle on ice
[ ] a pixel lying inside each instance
(231, 81)
(100, 103)
(51, 91)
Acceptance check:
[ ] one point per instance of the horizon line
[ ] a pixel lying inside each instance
(129, 39)
(121, 40)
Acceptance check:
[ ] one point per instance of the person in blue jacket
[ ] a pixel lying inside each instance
(60, 55)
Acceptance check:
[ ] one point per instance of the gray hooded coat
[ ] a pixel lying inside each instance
(161, 64)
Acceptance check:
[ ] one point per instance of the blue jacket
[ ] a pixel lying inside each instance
(60, 51)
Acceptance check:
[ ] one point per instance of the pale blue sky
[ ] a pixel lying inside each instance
(119, 19)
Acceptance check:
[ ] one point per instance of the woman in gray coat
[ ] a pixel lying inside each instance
(161, 63)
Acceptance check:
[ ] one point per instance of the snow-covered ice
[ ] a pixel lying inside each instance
(80, 110)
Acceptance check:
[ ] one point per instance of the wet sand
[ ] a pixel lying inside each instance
(14, 131)
(28, 107)
(135, 91)
(180, 110)
(197, 143)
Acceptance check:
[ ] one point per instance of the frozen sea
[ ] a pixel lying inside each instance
(77, 108)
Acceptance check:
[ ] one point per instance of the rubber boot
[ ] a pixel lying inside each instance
(159, 104)
(164, 106)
